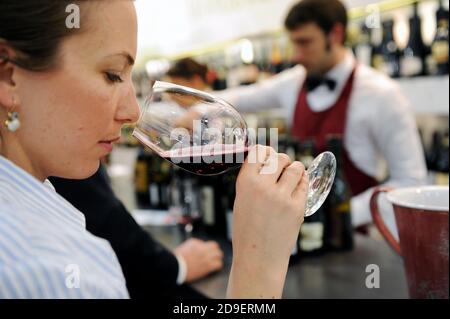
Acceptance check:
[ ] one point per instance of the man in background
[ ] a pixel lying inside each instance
(329, 93)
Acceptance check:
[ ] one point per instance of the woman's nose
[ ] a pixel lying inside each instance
(129, 109)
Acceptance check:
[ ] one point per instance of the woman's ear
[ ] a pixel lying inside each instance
(7, 84)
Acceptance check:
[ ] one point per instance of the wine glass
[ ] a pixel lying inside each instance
(205, 135)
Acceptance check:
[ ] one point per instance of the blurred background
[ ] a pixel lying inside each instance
(243, 42)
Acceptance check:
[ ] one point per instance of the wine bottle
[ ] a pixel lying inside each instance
(311, 237)
(141, 180)
(389, 62)
(154, 182)
(159, 176)
(307, 152)
(166, 174)
(229, 195)
(211, 207)
(176, 193)
(414, 55)
(190, 204)
(377, 59)
(363, 48)
(292, 148)
(220, 82)
(440, 44)
(338, 227)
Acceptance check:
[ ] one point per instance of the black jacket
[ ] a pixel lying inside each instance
(150, 270)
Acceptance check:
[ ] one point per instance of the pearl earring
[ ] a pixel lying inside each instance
(13, 122)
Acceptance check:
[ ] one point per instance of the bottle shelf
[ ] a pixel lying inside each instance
(362, 10)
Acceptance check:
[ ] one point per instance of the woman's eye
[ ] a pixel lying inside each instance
(113, 78)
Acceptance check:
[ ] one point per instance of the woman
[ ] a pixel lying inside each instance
(64, 95)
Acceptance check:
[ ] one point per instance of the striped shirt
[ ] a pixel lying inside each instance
(45, 249)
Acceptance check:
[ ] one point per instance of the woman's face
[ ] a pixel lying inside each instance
(70, 116)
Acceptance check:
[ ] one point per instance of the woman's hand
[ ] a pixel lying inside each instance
(268, 212)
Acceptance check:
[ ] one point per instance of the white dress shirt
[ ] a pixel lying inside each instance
(381, 131)
(45, 250)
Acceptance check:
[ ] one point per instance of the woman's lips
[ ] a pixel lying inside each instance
(108, 144)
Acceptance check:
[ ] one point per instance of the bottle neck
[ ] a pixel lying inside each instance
(416, 29)
(388, 34)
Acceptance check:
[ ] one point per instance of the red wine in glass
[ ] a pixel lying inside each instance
(202, 161)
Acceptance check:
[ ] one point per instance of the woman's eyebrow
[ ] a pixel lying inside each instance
(126, 55)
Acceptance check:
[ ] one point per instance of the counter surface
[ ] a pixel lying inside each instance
(334, 275)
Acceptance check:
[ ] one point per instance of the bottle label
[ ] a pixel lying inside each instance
(440, 51)
(207, 205)
(442, 179)
(174, 195)
(154, 194)
(364, 54)
(141, 177)
(411, 65)
(378, 62)
(343, 207)
(311, 236)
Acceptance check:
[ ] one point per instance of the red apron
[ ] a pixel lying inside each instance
(318, 125)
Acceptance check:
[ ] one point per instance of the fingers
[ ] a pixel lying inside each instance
(215, 255)
(194, 241)
(301, 191)
(218, 265)
(215, 249)
(213, 244)
(275, 165)
(255, 159)
(291, 177)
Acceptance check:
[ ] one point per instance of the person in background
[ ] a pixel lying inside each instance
(150, 270)
(61, 110)
(190, 73)
(328, 92)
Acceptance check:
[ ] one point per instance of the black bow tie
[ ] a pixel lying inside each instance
(314, 81)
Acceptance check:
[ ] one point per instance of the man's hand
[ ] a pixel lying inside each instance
(187, 119)
(201, 258)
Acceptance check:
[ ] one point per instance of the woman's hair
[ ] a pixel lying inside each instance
(187, 68)
(34, 29)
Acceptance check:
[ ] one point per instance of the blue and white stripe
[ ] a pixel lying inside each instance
(41, 235)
